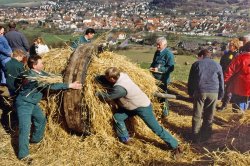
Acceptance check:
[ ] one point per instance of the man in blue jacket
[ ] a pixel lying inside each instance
(89, 34)
(27, 105)
(162, 66)
(5, 54)
(205, 86)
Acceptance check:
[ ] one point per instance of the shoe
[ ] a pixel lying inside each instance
(27, 160)
(125, 140)
(129, 142)
(177, 152)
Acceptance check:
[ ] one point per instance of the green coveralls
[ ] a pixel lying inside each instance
(27, 110)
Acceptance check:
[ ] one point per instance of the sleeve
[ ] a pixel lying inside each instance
(191, 81)
(5, 48)
(232, 70)
(25, 42)
(115, 93)
(58, 86)
(221, 83)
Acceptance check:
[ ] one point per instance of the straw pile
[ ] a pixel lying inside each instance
(61, 147)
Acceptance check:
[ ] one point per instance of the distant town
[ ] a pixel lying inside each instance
(135, 16)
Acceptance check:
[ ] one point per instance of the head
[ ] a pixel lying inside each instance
(112, 74)
(1, 30)
(35, 63)
(39, 40)
(89, 34)
(12, 25)
(246, 39)
(246, 47)
(19, 55)
(203, 54)
(161, 43)
(234, 44)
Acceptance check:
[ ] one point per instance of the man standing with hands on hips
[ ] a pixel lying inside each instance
(162, 66)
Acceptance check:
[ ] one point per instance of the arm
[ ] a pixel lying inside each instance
(5, 48)
(59, 86)
(191, 81)
(232, 70)
(221, 83)
(25, 42)
(116, 93)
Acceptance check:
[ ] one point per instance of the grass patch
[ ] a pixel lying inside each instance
(144, 56)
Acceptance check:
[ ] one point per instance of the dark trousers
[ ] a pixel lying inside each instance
(146, 114)
(27, 112)
(203, 113)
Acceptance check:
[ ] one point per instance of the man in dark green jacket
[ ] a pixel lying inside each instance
(162, 66)
(89, 34)
(28, 108)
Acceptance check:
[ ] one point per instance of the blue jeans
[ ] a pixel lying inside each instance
(25, 112)
(240, 102)
(146, 114)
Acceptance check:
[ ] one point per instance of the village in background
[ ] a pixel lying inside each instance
(188, 25)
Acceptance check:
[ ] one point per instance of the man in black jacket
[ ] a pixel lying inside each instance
(205, 86)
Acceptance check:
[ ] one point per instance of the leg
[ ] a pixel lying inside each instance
(39, 122)
(208, 115)
(120, 126)
(165, 108)
(146, 114)
(24, 111)
(197, 114)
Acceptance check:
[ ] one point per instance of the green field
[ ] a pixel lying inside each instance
(144, 55)
(17, 1)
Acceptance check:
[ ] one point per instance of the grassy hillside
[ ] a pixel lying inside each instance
(144, 56)
(19, 2)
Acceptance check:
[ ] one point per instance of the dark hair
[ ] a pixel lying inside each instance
(12, 25)
(246, 47)
(89, 30)
(33, 60)
(204, 53)
(1, 27)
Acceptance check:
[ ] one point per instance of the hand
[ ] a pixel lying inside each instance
(75, 85)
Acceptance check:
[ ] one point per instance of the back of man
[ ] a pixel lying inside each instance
(205, 86)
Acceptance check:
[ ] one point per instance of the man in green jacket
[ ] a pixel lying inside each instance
(162, 66)
(89, 34)
(13, 68)
(27, 105)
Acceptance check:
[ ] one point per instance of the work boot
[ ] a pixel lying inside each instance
(27, 160)
(165, 110)
(177, 152)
